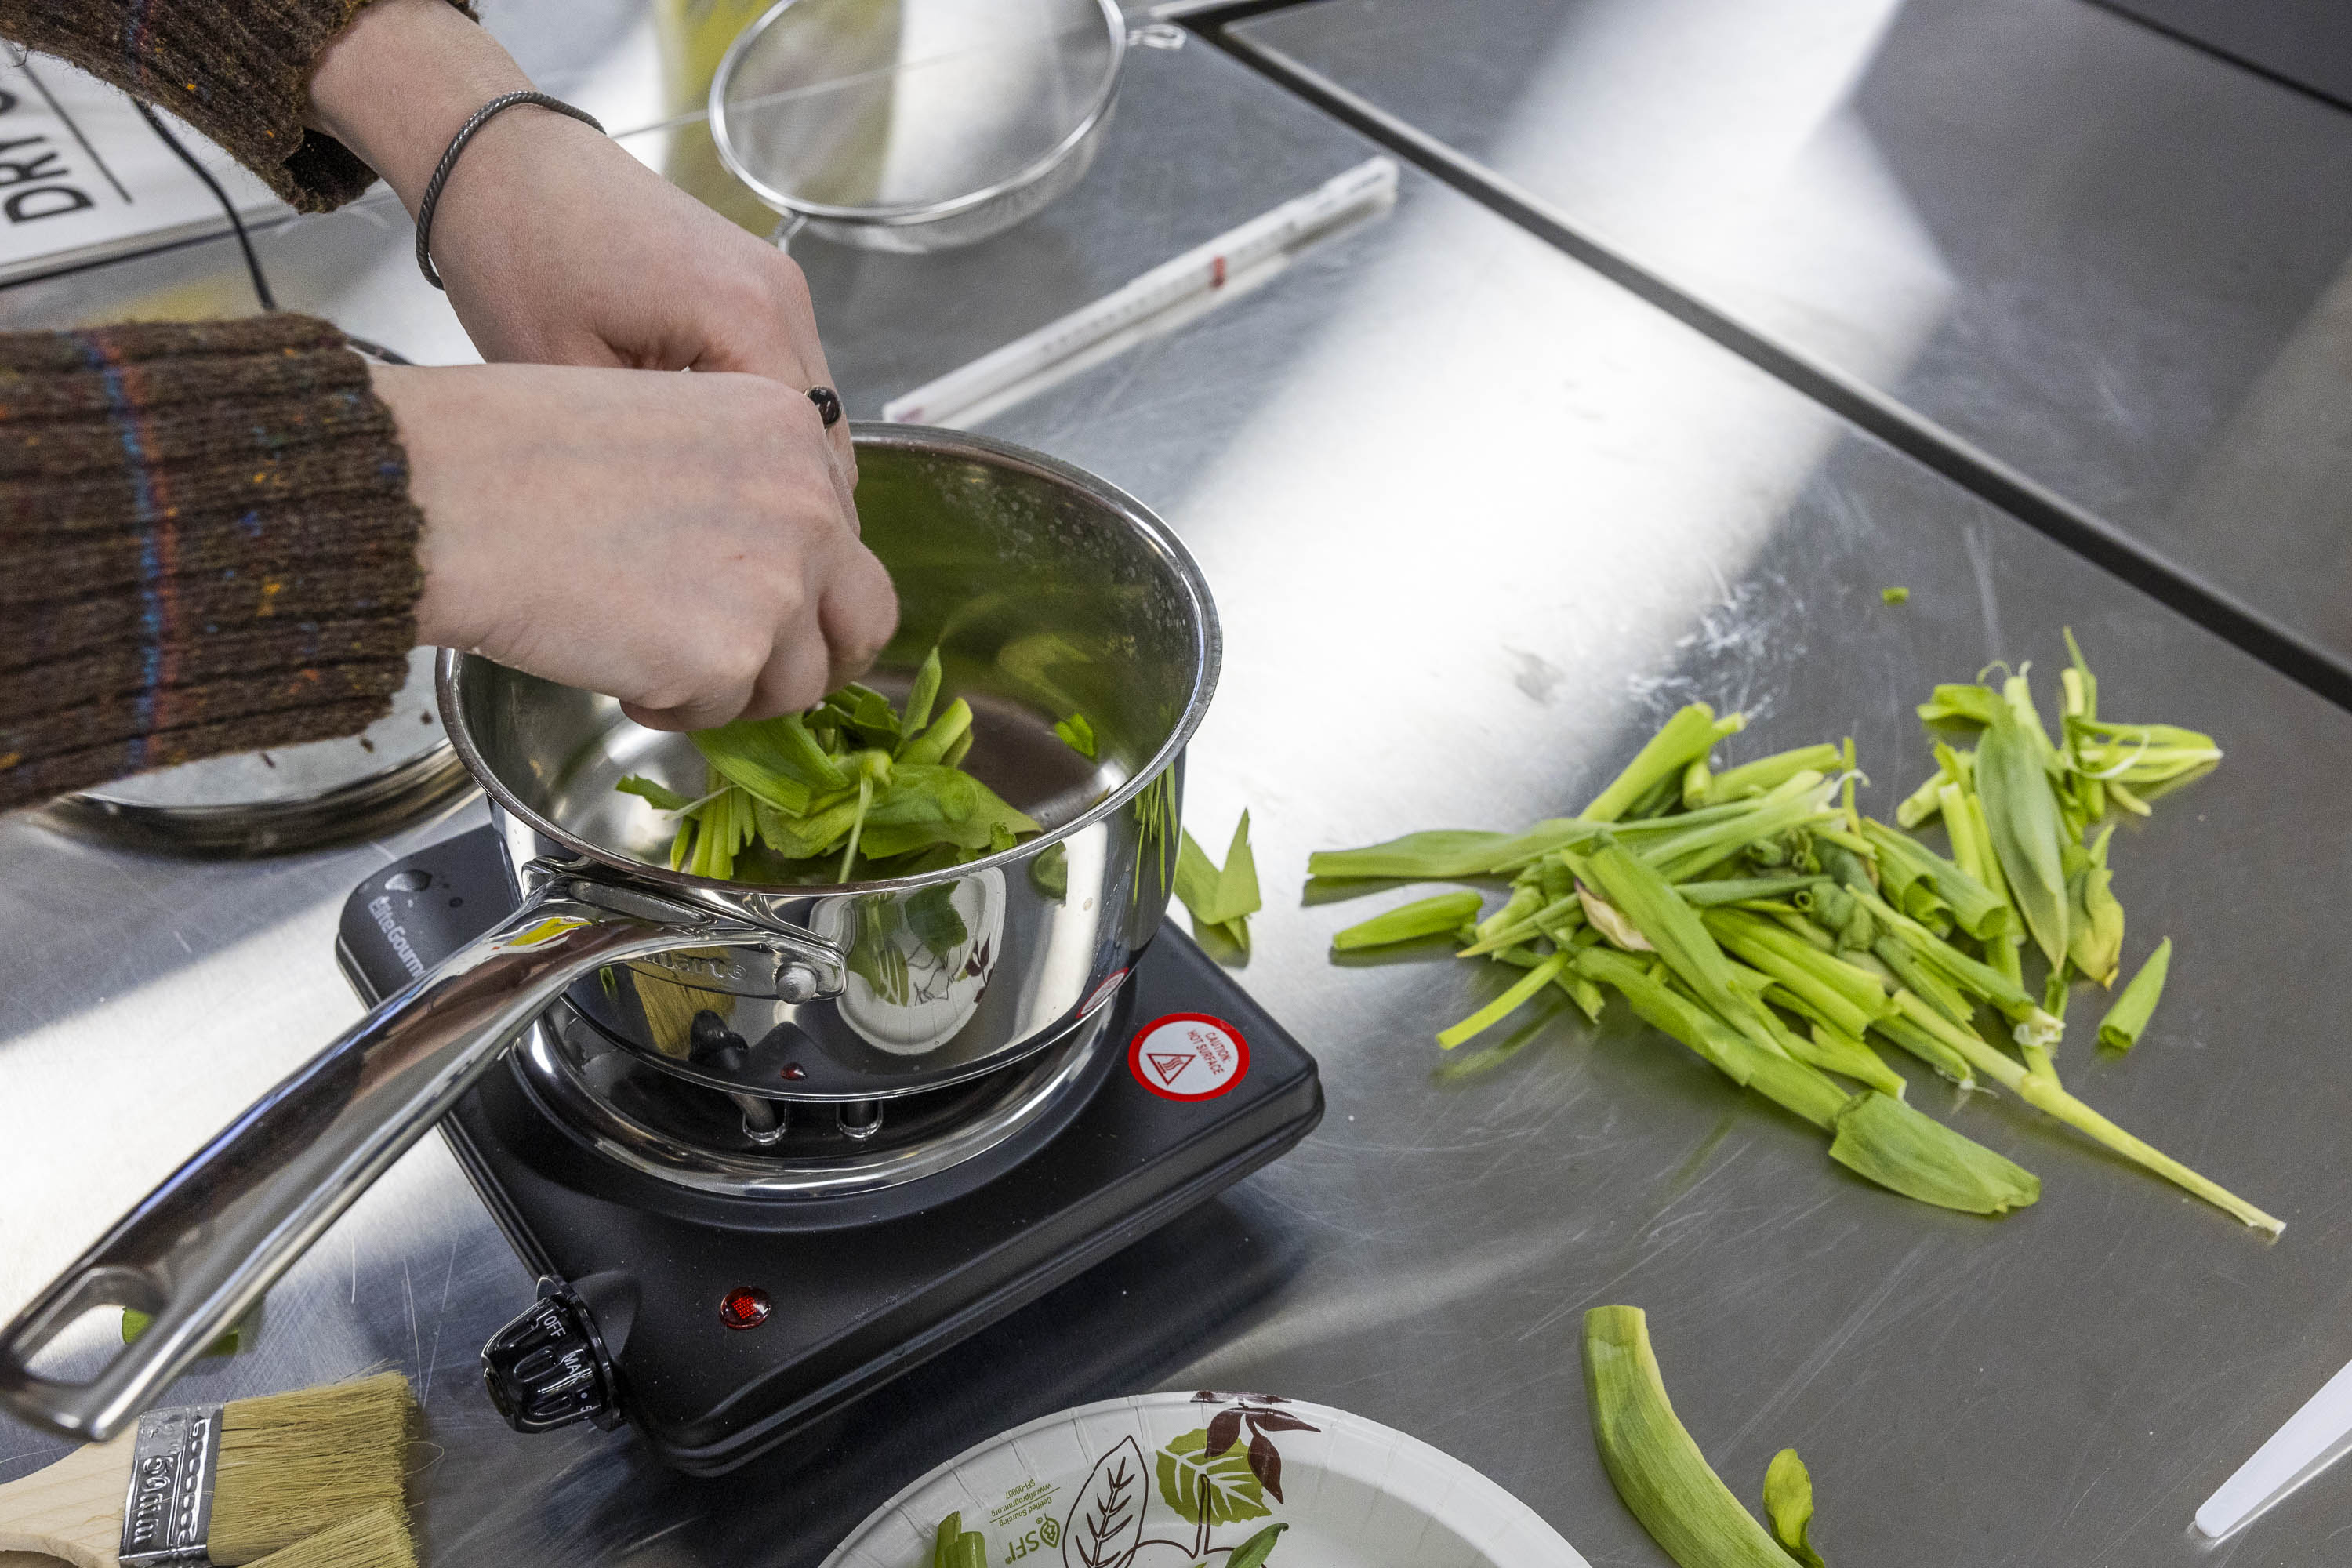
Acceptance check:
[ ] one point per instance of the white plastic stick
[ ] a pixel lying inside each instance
(2294, 1454)
(1199, 271)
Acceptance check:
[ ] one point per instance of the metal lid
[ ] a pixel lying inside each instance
(907, 111)
(285, 799)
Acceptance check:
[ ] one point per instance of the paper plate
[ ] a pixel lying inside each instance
(1135, 1483)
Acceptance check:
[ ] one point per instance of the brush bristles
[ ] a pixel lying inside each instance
(376, 1539)
(292, 1465)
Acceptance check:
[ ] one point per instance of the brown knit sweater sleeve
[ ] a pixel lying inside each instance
(238, 70)
(208, 547)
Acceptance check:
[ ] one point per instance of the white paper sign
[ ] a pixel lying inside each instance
(83, 178)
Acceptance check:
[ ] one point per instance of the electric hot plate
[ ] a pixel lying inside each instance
(726, 1275)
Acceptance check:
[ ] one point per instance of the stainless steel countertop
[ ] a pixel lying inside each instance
(2110, 259)
(1476, 521)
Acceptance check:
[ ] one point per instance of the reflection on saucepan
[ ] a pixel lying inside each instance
(918, 961)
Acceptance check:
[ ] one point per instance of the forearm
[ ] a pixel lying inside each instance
(208, 543)
(398, 83)
(238, 70)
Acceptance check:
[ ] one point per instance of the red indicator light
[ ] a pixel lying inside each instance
(744, 1307)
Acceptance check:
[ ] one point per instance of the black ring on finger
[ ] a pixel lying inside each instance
(828, 405)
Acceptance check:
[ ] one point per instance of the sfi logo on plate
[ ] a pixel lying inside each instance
(1188, 1055)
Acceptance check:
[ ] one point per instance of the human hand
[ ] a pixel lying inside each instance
(678, 541)
(555, 244)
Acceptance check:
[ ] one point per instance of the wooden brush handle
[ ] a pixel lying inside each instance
(73, 1510)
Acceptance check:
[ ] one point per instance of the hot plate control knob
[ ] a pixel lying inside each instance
(553, 1365)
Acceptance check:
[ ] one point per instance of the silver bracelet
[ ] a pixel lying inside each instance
(482, 117)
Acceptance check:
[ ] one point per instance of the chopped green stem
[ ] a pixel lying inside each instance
(1921, 803)
(1834, 1051)
(1803, 799)
(1424, 916)
(1796, 1087)
(2046, 1094)
(1565, 912)
(1848, 997)
(1656, 1467)
(1696, 779)
(1690, 734)
(1767, 773)
(2040, 1088)
(1503, 1006)
(1928, 1048)
(1675, 931)
(1741, 890)
(1914, 973)
(2120, 1029)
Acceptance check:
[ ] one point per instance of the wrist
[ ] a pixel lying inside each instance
(395, 85)
(431, 409)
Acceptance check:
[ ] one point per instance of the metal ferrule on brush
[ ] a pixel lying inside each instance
(169, 1511)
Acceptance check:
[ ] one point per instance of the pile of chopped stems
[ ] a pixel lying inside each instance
(1756, 916)
(801, 796)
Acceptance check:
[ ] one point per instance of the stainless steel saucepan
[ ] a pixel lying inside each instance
(1048, 591)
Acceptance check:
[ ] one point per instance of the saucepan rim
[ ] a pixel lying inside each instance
(1208, 646)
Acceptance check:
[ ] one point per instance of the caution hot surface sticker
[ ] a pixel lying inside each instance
(1188, 1055)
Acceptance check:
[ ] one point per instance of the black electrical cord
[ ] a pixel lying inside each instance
(261, 289)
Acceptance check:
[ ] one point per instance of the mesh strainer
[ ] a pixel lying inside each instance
(914, 125)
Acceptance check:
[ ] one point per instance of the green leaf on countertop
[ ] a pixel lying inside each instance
(2095, 938)
(1444, 854)
(1893, 596)
(1424, 918)
(1078, 734)
(2120, 1029)
(1789, 1506)
(2021, 818)
(1652, 1460)
(1220, 898)
(1895, 1145)
(1960, 705)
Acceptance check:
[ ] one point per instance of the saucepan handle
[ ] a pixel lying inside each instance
(203, 1246)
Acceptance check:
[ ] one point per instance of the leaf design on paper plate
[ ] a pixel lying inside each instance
(1275, 1421)
(1265, 1464)
(1206, 1488)
(1105, 1524)
(1224, 1431)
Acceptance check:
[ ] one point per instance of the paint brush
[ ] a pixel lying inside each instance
(232, 1484)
